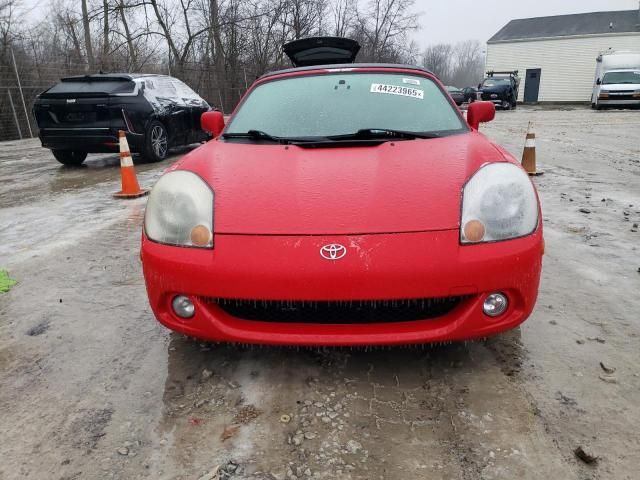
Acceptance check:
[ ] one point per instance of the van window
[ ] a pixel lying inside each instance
(631, 76)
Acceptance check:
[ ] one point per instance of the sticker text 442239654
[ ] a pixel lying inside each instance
(396, 90)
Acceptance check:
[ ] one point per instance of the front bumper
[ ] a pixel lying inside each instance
(376, 267)
(497, 99)
(611, 101)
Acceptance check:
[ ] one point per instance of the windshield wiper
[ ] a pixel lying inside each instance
(256, 135)
(260, 135)
(382, 133)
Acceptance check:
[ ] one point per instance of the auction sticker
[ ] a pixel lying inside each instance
(396, 90)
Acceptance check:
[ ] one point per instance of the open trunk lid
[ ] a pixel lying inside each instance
(321, 51)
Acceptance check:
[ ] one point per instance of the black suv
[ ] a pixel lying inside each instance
(83, 114)
(501, 88)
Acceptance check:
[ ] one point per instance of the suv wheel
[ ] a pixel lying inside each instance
(156, 142)
(69, 157)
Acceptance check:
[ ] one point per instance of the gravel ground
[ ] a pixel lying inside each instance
(91, 387)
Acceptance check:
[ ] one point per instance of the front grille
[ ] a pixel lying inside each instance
(338, 312)
(621, 97)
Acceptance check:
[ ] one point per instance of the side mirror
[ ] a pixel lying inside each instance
(598, 82)
(479, 112)
(212, 122)
(479, 86)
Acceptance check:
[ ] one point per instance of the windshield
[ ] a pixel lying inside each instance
(492, 82)
(343, 103)
(632, 76)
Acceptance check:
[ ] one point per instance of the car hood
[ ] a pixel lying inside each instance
(616, 87)
(402, 186)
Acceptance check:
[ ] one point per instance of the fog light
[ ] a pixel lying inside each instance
(183, 306)
(495, 304)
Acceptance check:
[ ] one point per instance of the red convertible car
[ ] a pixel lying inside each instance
(344, 204)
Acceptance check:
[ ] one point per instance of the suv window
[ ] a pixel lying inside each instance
(165, 87)
(343, 103)
(492, 82)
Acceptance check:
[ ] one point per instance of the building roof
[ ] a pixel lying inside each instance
(594, 23)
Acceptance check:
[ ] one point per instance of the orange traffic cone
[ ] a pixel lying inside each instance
(130, 187)
(529, 153)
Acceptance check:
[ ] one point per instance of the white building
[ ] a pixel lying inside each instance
(556, 56)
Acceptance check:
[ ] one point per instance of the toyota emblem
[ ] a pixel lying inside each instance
(333, 251)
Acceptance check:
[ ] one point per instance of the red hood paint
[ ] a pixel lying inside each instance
(401, 186)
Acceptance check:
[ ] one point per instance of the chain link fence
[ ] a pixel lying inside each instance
(21, 81)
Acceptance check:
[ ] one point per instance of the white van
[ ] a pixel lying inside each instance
(617, 80)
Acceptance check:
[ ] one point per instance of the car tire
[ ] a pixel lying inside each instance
(69, 157)
(514, 104)
(156, 142)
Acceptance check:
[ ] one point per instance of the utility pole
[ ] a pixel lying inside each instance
(15, 117)
(24, 105)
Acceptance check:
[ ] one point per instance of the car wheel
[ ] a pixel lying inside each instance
(156, 142)
(69, 157)
(514, 103)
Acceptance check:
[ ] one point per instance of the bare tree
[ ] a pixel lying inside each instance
(460, 64)
(469, 63)
(383, 27)
(438, 59)
(9, 17)
(265, 39)
(87, 36)
(105, 33)
(128, 37)
(68, 24)
(344, 12)
(303, 17)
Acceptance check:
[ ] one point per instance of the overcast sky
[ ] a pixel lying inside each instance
(455, 20)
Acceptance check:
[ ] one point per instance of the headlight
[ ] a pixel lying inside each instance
(180, 211)
(498, 203)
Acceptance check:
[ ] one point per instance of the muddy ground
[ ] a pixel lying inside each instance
(91, 387)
